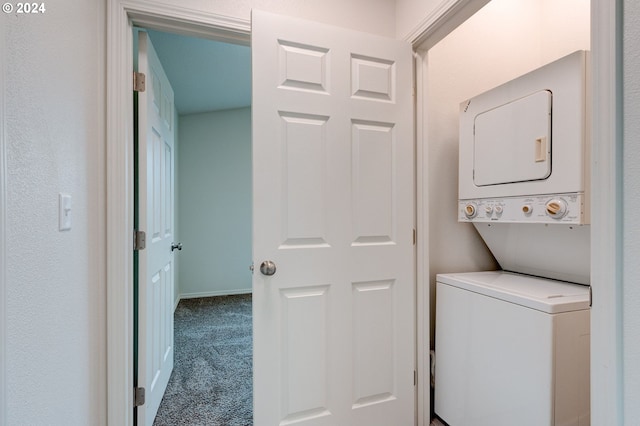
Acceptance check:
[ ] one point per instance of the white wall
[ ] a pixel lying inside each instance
(214, 203)
(500, 42)
(54, 124)
(631, 226)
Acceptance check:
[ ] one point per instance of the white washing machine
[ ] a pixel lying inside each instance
(512, 347)
(511, 350)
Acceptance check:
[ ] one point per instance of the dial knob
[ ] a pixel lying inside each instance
(498, 210)
(488, 210)
(470, 210)
(556, 208)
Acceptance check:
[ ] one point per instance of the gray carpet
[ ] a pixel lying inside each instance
(211, 383)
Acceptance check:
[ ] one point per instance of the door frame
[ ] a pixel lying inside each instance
(606, 186)
(121, 17)
(606, 341)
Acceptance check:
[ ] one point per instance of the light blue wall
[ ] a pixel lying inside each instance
(176, 213)
(214, 203)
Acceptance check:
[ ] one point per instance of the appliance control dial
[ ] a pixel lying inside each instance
(488, 210)
(470, 210)
(498, 210)
(556, 208)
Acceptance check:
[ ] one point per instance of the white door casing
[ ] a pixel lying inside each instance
(156, 218)
(333, 198)
(3, 236)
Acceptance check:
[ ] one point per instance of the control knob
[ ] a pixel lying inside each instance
(470, 210)
(556, 208)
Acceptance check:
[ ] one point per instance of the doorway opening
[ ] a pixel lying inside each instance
(211, 81)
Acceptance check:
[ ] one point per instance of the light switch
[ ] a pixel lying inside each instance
(65, 212)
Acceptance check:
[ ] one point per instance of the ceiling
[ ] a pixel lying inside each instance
(206, 75)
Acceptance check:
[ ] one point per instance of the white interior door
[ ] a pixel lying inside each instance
(156, 218)
(333, 176)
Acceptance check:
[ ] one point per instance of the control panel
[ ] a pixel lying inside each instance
(552, 208)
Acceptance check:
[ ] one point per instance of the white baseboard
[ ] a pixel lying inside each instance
(214, 293)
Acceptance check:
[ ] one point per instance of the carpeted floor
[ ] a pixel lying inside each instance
(211, 383)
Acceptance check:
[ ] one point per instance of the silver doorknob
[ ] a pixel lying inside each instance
(176, 246)
(268, 267)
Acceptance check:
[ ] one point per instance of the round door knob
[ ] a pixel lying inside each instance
(268, 267)
(175, 246)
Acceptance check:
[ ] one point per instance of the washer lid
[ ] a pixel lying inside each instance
(541, 294)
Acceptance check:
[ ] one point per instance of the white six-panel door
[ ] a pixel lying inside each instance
(333, 176)
(156, 218)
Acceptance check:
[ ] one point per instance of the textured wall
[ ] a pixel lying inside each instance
(214, 203)
(631, 197)
(55, 280)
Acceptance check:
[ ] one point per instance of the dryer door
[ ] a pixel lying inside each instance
(512, 142)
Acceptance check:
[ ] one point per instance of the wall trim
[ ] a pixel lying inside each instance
(211, 294)
(448, 15)
(121, 16)
(189, 22)
(3, 239)
(216, 293)
(423, 306)
(606, 214)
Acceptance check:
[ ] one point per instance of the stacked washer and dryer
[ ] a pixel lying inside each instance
(512, 346)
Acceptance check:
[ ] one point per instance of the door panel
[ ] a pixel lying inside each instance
(373, 186)
(156, 218)
(373, 343)
(304, 145)
(304, 343)
(333, 191)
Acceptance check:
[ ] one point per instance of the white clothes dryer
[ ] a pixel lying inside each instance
(524, 170)
(511, 350)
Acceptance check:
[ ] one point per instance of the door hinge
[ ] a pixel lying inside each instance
(139, 240)
(415, 237)
(415, 378)
(138, 397)
(139, 82)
